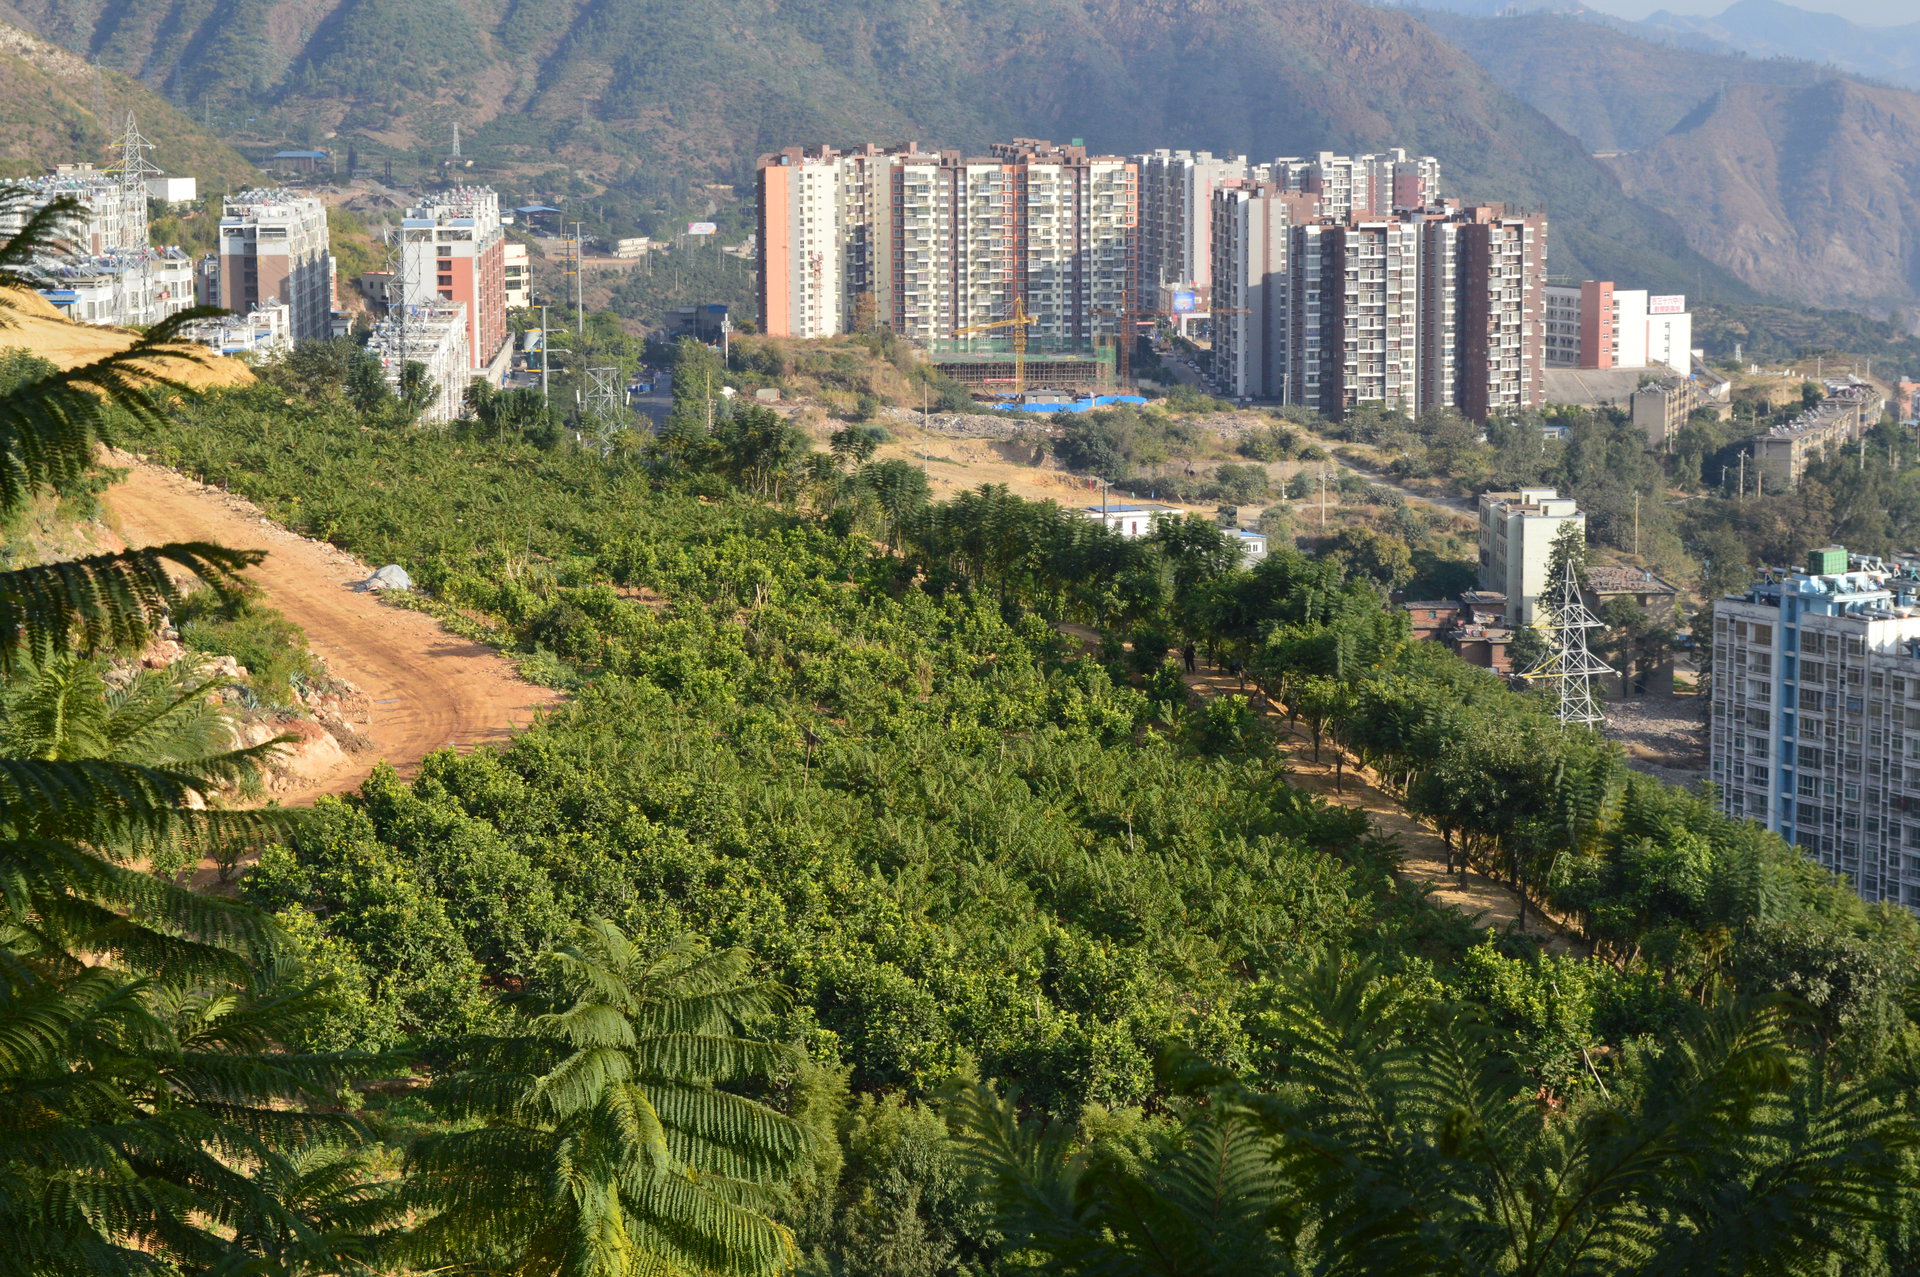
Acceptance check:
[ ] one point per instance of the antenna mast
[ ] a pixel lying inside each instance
(1570, 666)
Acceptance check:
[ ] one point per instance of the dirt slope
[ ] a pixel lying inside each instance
(430, 689)
(29, 322)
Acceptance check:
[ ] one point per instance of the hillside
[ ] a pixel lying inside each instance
(1811, 193)
(1574, 72)
(656, 96)
(1770, 29)
(54, 107)
(29, 323)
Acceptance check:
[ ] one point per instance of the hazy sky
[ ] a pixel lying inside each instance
(1883, 13)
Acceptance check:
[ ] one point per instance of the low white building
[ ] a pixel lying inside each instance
(173, 190)
(264, 329)
(1131, 520)
(135, 288)
(1595, 325)
(1517, 530)
(1252, 545)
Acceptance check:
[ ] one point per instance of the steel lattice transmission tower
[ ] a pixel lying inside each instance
(605, 411)
(1570, 666)
(133, 168)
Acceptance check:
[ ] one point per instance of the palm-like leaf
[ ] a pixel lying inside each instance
(151, 1117)
(606, 1145)
(1399, 1140)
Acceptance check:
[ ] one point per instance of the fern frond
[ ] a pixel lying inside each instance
(104, 601)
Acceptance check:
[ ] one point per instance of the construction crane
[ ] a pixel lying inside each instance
(1124, 339)
(1018, 323)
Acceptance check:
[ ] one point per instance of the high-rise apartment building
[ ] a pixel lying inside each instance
(274, 250)
(454, 250)
(1517, 531)
(1176, 222)
(1436, 307)
(1595, 325)
(1176, 218)
(930, 243)
(1377, 185)
(1816, 715)
(1250, 239)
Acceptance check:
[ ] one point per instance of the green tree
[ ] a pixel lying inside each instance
(142, 1027)
(599, 1136)
(1401, 1141)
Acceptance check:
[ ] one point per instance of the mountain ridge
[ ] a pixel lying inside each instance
(654, 95)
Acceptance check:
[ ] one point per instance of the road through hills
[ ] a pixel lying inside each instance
(430, 689)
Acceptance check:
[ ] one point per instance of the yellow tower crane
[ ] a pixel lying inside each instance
(1018, 323)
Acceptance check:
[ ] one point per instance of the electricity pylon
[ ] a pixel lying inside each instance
(604, 412)
(1570, 666)
(133, 168)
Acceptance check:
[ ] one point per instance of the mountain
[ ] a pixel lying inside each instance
(655, 97)
(1770, 29)
(1796, 177)
(1606, 85)
(54, 108)
(1807, 192)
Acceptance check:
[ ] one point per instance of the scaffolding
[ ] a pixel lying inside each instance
(1050, 365)
(1570, 666)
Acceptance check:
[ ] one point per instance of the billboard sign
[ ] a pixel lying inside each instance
(1672, 305)
(702, 228)
(1185, 303)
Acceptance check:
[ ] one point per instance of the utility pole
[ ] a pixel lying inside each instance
(579, 293)
(546, 365)
(1636, 525)
(1743, 474)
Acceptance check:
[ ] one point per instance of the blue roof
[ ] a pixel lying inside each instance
(298, 155)
(536, 208)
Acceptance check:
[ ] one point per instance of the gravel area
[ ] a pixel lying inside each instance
(1664, 736)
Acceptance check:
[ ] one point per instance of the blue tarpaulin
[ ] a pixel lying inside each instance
(1074, 405)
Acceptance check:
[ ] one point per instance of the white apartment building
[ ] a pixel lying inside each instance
(519, 276)
(1595, 325)
(1816, 715)
(1176, 221)
(1517, 530)
(434, 335)
(131, 288)
(803, 289)
(931, 243)
(258, 333)
(111, 275)
(1250, 238)
(113, 215)
(274, 250)
(1375, 185)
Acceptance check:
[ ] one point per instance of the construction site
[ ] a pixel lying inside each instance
(996, 367)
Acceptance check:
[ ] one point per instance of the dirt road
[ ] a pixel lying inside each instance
(430, 689)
